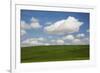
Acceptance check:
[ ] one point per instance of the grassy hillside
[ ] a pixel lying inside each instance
(54, 53)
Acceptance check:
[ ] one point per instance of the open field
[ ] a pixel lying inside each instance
(54, 53)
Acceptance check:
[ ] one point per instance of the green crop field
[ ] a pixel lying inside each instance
(54, 53)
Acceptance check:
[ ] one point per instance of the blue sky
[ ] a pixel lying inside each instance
(44, 19)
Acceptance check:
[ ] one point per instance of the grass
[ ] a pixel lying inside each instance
(54, 53)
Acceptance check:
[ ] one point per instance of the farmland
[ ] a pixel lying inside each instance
(54, 53)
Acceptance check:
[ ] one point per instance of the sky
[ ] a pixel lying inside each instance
(54, 28)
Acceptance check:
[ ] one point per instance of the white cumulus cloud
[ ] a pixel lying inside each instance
(47, 44)
(60, 42)
(80, 35)
(24, 25)
(35, 23)
(69, 37)
(69, 25)
(41, 39)
(23, 32)
(31, 42)
(76, 41)
(83, 41)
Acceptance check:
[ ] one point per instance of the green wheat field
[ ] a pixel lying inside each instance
(54, 53)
